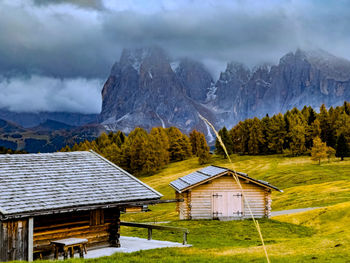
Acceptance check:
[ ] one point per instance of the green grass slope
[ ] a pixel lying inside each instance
(321, 235)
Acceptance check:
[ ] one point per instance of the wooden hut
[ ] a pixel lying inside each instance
(213, 193)
(53, 196)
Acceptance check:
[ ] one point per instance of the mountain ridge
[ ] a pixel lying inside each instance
(300, 78)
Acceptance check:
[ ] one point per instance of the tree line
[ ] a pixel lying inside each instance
(291, 133)
(4, 150)
(142, 152)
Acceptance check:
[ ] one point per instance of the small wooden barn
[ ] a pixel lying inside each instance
(45, 197)
(213, 193)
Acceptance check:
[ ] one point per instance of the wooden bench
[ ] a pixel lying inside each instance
(69, 244)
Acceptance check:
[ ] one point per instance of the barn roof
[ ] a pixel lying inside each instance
(208, 173)
(54, 181)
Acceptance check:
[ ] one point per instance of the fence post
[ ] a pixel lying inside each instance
(184, 242)
(149, 233)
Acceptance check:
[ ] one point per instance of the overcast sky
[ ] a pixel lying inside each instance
(55, 55)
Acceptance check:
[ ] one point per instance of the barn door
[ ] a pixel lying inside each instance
(234, 204)
(218, 204)
(227, 204)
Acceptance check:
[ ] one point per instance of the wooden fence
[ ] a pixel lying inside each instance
(151, 227)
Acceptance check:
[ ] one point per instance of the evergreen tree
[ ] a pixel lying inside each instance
(265, 123)
(297, 133)
(113, 153)
(137, 154)
(236, 138)
(203, 150)
(330, 153)
(316, 129)
(276, 133)
(318, 150)
(160, 145)
(346, 107)
(342, 149)
(179, 145)
(75, 147)
(194, 138)
(327, 131)
(256, 137)
(223, 133)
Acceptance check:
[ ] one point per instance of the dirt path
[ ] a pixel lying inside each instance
(292, 211)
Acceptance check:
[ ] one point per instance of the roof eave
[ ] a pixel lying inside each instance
(176, 189)
(202, 182)
(241, 175)
(68, 209)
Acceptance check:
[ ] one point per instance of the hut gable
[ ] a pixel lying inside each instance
(209, 173)
(37, 183)
(213, 193)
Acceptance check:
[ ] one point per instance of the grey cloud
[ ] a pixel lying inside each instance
(40, 93)
(94, 4)
(72, 39)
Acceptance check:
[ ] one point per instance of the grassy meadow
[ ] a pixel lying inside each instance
(320, 235)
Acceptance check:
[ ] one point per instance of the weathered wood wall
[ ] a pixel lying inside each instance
(184, 208)
(13, 240)
(100, 227)
(198, 202)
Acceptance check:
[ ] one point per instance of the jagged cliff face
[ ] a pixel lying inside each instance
(146, 89)
(300, 78)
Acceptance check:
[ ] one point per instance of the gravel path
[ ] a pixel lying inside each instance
(292, 211)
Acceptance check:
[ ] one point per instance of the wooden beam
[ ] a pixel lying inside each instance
(91, 207)
(30, 238)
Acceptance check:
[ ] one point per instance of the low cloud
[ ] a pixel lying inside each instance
(77, 39)
(40, 93)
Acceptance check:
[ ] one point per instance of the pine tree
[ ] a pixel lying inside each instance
(342, 149)
(235, 137)
(113, 153)
(265, 123)
(137, 155)
(256, 137)
(327, 131)
(318, 150)
(330, 153)
(160, 145)
(346, 107)
(276, 134)
(179, 145)
(203, 150)
(297, 133)
(223, 133)
(194, 138)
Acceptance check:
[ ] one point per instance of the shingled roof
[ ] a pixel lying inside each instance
(54, 181)
(208, 173)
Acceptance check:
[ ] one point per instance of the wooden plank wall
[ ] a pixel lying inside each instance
(184, 207)
(97, 226)
(201, 198)
(13, 240)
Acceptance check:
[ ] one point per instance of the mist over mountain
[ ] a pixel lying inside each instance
(146, 89)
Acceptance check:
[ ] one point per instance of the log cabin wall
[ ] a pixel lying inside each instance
(200, 205)
(184, 207)
(100, 227)
(13, 240)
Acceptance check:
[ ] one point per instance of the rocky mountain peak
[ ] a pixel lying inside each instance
(146, 92)
(235, 70)
(195, 78)
(147, 89)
